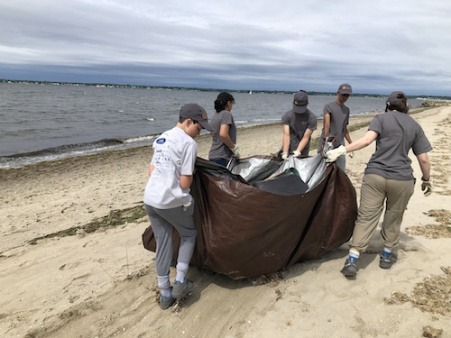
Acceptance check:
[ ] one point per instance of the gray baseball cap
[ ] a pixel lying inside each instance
(345, 89)
(396, 98)
(196, 113)
(300, 102)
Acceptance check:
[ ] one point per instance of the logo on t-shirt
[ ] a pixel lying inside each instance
(161, 140)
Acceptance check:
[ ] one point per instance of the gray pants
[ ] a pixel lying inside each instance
(375, 192)
(163, 221)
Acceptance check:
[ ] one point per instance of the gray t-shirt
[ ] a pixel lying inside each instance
(339, 119)
(299, 123)
(398, 133)
(218, 148)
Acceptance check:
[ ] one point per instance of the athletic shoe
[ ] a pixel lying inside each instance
(387, 259)
(182, 290)
(166, 302)
(350, 268)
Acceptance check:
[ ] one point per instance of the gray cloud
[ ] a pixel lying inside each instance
(269, 45)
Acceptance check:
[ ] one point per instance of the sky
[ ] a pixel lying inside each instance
(376, 46)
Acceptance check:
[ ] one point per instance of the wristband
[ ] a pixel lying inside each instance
(424, 180)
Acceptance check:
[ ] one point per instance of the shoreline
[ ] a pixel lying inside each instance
(200, 138)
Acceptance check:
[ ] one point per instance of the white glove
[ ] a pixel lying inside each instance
(284, 156)
(186, 206)
(296, 153)
(333, 154)
(236, 151)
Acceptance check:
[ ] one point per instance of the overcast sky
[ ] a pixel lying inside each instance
(376, 46)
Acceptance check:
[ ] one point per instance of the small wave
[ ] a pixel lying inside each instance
(140, 139)
(68, 147)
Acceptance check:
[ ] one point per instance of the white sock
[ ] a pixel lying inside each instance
(165, 286)
(354, 253)
(182, 270)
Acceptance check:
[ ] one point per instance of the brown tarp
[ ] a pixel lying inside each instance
(245, 231)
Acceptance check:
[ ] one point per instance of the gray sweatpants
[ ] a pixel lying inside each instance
(375, 192)
(163, 221)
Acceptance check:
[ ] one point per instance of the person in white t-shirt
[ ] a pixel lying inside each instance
(168, 201)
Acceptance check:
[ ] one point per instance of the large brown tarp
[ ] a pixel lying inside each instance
(245, 230)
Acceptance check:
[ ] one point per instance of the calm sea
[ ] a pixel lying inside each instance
(44, 122)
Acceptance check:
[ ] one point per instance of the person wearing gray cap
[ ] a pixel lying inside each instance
(168, 201)
(298, 125)
(388, 181)
(335, 122)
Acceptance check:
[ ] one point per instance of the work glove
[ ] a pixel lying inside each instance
(333, 154)
(426, 187)
(296, 153)
(236, 151)
(284, 156)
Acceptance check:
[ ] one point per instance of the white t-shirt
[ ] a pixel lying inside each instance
(174, 155)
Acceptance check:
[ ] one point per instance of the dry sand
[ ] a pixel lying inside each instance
(102, 283)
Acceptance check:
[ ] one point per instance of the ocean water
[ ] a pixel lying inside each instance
(44, 122)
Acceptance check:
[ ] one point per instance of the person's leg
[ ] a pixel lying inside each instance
(372, 197)
(162, 231)
(398, 196)
(182, 219)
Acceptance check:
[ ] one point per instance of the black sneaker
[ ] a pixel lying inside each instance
(350, 268)
(182, 290)
(387, 259)
(166, 302)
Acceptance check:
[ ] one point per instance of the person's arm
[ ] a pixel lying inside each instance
(150, 169)
(363, 142)
(425, 166)
(285, 139)
(305, 139)
(326, 124)
(347, 136)
(225, 137)
(185, 181)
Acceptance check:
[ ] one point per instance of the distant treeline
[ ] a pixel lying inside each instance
(114, 85)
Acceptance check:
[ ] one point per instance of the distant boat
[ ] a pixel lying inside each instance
(250, 92)
(150, 119)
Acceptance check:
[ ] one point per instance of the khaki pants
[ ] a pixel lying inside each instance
(377, 191)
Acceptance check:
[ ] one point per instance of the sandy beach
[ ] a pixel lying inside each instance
(63, 273)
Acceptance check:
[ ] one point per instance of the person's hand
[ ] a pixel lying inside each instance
(426, 187)
(284, 156)
(333, 154)
(236, 151)
(296, 153)
(186, 206)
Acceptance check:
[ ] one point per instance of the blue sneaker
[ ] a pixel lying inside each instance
(387, 259)
(350, 268)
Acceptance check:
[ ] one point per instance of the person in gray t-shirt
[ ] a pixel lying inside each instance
(335, 123)
(298, 125)
(388, 181)
(223, 145)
